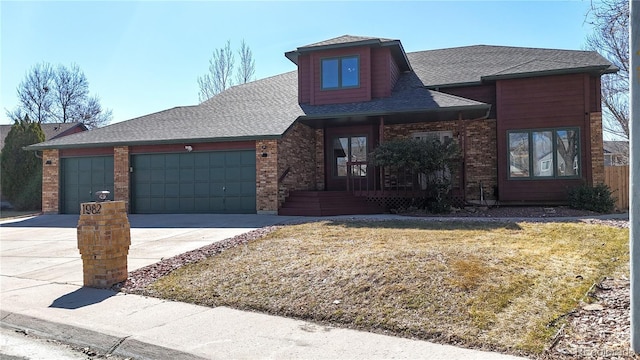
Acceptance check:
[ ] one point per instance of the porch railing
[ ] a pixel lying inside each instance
(364, 179)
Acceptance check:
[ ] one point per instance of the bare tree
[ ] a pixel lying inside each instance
(610, 19)
(247, 68)
(34, 94)
(221, 67)
(90, 113)
(218, 78)
(71, 90)
(58, 94)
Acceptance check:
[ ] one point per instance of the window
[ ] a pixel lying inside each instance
(442, 136)
(540, 154)
(341, 72)
(350, 154)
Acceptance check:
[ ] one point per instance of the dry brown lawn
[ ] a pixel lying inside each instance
(487, 285)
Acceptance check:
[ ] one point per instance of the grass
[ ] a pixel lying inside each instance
(495, 286)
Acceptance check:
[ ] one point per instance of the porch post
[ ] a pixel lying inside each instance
(380, 170)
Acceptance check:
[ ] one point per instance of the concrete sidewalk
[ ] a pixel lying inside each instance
(41, 278)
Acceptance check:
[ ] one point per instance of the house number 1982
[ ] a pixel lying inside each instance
(91, 209)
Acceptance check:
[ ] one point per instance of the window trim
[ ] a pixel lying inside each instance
(340, 86)
(554, 141)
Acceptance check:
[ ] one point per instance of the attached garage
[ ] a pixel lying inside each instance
(81, 177)
(194, 182)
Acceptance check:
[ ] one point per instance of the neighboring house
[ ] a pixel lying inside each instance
(616, 153)
(254, 147)
(51, 131)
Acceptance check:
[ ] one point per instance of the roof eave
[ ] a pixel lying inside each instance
(44, 146)
(399, 112)
(599, 69)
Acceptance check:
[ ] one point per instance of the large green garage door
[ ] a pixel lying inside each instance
(81, 178)
(203, 182)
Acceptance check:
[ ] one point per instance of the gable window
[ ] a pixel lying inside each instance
(544, 154)
(342, 72)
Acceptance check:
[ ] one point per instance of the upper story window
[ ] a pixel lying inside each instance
(342, 72)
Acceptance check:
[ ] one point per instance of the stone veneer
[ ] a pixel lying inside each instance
(478, 140)
(104, 237)
(121, 174)
(597, 148)
(50, 181)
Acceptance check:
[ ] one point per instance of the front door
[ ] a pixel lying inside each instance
(347, 151)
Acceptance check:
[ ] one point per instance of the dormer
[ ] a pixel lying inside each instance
(348, 69)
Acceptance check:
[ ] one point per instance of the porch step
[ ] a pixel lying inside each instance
(327, 203)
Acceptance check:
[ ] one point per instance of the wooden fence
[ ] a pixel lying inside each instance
(617, 178)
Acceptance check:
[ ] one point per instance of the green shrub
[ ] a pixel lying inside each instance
(431, 158)
(21, 170)
(594, 198)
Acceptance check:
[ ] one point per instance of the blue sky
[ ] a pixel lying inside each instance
(145, 56)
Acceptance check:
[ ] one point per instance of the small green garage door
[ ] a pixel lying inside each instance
(81, 178)
(203, 182)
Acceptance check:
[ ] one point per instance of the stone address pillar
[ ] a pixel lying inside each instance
(104, 238)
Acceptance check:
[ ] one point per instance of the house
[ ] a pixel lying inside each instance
(51, 131)
(255, 148)
(616, 153)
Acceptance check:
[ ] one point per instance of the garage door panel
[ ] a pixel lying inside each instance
(201, 189)
(216, 174)
(81, 177)
(157, 190)
(201, 174)
(216, 189)
(249, 189)
(187, 189)
(248, 158)
(172, 175)
(156, 162)
(171, 190)
(203, 182)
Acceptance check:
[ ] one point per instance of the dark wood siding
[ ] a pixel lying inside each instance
(395, 72)
(304, 79)
(178, 148)
(536, 103)
(86, 152)
(381, 72)
(482, 93)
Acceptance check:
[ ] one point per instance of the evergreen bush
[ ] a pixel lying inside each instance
(21, 170)
(598, 198)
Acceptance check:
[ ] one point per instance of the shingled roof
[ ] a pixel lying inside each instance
(266, 108)
(50, 130)
(475, 64)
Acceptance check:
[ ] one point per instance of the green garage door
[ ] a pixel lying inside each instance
(203, 182)
(81, 178)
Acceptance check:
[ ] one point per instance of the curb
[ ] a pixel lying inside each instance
(81, 337)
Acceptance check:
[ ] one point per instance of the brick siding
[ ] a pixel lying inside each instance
(50, 181)
(597, 148)
(320, 161)
(267, 176)
(476, 138)
(121, 174)
(297, 151)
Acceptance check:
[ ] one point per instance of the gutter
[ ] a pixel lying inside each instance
(37, 147)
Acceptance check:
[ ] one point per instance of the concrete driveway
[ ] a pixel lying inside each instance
(45, 247)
